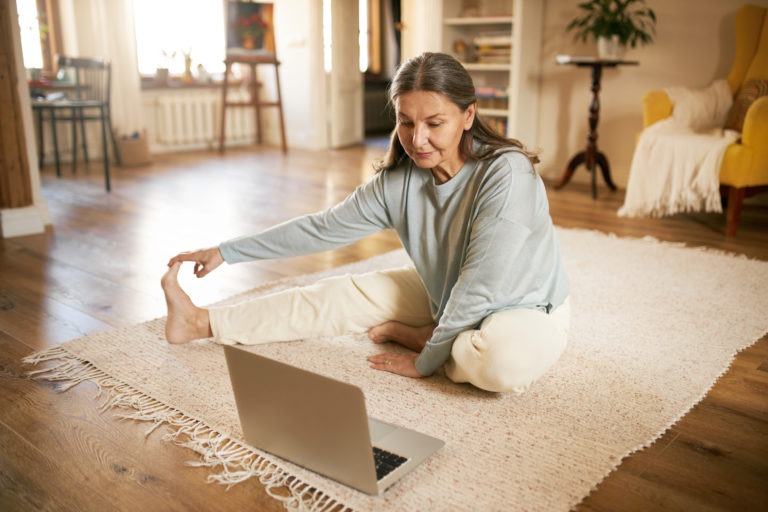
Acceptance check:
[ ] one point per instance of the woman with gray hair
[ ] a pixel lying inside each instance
(486, 296)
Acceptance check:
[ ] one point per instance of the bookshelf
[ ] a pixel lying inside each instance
(498, 42)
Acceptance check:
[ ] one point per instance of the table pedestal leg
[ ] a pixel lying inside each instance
(591, 157)
(571, 168)
(605, 169)
(580, 158)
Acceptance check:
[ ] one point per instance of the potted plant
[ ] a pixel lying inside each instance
(614, 24)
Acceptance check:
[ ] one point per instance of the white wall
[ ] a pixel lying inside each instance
(299, 41)
(694, 46)
(421, 29)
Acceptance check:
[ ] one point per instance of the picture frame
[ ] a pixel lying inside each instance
(250, 28)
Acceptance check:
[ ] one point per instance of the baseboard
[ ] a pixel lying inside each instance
(30, 220)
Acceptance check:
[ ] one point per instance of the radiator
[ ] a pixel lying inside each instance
(190, 118)
(378, 116)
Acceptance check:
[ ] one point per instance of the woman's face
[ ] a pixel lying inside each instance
(429, 127)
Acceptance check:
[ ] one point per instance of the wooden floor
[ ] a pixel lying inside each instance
(98, 268)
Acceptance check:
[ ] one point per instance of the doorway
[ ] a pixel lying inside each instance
(384, 50)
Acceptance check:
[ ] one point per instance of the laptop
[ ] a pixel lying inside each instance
(321, 424)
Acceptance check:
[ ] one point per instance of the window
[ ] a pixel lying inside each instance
(39, 41)
(364, 35)
(167, 30)
(30, 34)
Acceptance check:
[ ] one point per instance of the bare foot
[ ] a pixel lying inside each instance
(413, 338)
(186, 322)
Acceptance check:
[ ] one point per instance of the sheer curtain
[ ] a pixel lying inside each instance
(97, 28)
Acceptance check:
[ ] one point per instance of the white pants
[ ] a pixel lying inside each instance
(508, 352)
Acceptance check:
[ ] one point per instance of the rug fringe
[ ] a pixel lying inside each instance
(70, 371)
(237, 461)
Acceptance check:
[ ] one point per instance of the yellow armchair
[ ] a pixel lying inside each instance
(744, 170)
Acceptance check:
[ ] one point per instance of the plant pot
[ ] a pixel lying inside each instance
(609, 48)
(253, 41)
(162, 75)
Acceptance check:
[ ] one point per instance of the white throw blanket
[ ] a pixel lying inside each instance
(676, 164)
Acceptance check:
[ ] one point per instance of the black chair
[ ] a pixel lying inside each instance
(84, 97)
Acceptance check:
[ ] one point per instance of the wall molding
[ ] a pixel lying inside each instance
(29, 220)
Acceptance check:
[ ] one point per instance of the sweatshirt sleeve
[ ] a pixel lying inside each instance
(496, 262)
(362, 213)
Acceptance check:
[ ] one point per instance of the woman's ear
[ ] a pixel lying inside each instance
(470, 116)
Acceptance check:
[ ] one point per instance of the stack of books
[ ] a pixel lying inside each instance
(491, 97)
(493, 47)
(497, 123)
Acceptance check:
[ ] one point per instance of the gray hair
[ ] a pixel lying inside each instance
(443, 74)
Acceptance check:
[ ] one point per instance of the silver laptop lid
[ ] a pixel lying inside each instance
(309, 419)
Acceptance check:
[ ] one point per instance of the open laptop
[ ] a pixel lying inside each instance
(321, 424)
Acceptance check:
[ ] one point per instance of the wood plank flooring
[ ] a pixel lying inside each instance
(99, 266)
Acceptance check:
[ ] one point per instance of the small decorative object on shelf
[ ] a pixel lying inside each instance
(463, 51)
(161, 76)
(187, 77)
(203, 77)
(470, 8)
(162, 73)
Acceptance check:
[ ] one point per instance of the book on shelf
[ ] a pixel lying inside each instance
(499, 124)
(485, 59)
(492, 51)
(493, 39)
(492, 59)
(489, 91)
(492, 97)
(493, 47)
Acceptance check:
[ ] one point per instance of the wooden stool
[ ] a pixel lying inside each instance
(253, 61)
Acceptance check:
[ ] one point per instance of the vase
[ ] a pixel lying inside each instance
(253, 41)
(188, 69)
(161, 76)
(609, 48)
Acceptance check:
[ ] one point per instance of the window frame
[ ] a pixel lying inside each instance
(50, 38)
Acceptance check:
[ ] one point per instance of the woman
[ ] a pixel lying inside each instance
(486, 296)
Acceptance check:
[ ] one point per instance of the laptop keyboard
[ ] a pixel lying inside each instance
(386, 462)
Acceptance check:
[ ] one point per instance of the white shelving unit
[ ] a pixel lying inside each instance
(514, 73)
(479, 20)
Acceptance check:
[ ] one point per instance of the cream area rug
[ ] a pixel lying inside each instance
(654, 325)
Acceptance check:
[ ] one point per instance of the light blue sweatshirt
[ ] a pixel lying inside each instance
(482, 242)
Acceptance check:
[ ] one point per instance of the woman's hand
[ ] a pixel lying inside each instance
(400, 364)
(206, 260)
